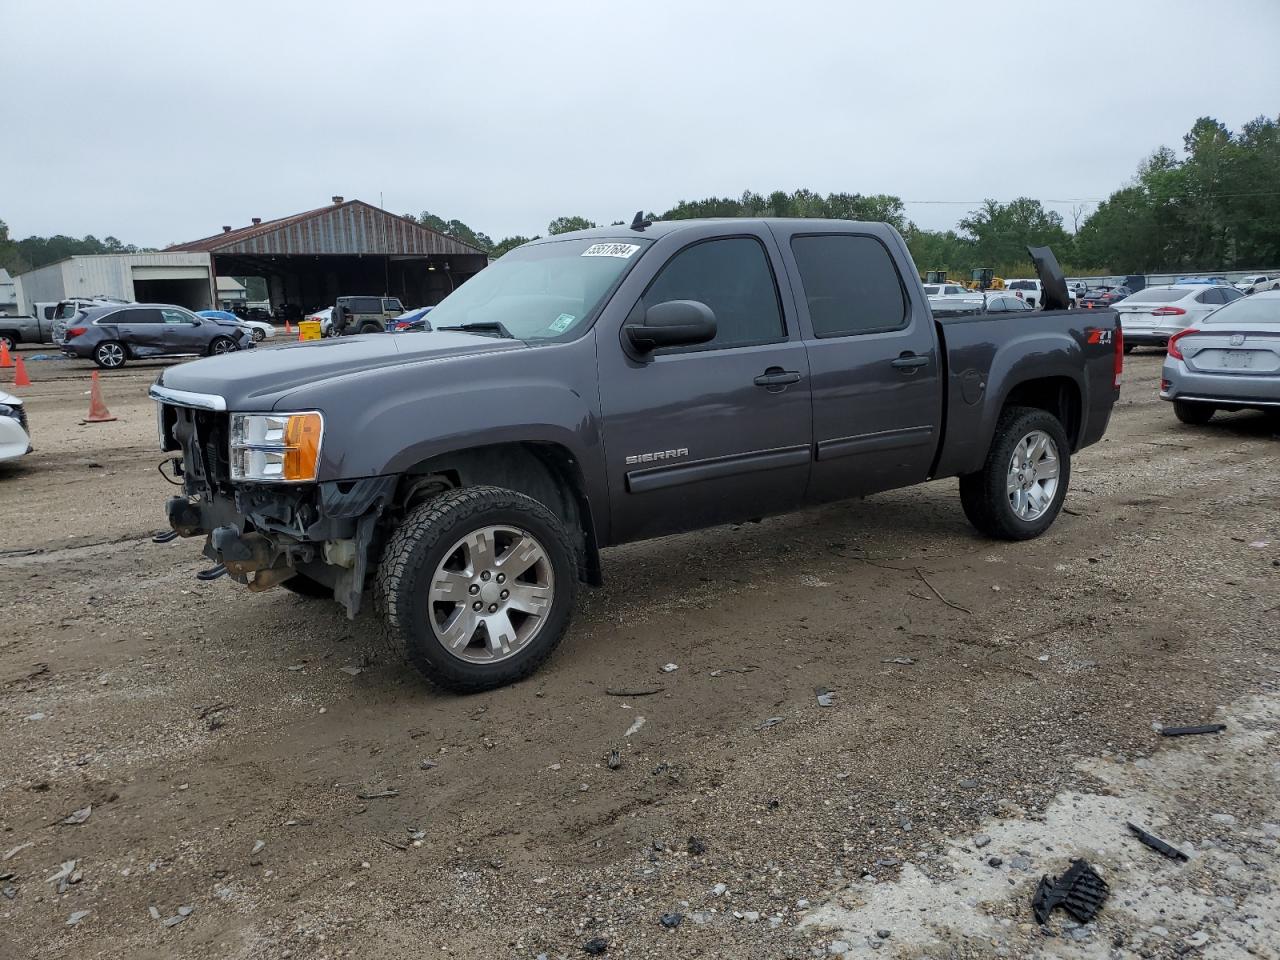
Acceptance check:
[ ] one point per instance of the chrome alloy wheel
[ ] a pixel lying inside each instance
(1033, 475)
(491, 594)
(111, 354)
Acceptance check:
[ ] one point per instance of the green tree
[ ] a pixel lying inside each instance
(568, 224)
(508, 243)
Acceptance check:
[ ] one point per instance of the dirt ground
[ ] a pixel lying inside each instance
(266, 779)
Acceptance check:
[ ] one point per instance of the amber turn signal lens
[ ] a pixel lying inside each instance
(302, 446)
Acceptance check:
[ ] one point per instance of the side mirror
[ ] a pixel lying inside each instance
(676, 323)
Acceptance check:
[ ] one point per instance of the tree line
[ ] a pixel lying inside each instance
(1213, 205)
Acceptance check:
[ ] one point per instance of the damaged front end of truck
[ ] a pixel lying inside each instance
(249, 487)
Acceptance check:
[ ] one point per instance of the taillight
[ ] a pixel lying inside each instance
(1172, 346)
(1168, 312)
(1118, 364)
(75, 331)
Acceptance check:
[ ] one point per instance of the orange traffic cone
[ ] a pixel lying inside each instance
(5, 359)
(20, 378)
(288, 327)
(98, 412)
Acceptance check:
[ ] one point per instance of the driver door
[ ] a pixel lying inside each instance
(716, 432)
(181, 332)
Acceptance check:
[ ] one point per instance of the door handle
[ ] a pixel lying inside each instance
(776, 377)
(909, 361)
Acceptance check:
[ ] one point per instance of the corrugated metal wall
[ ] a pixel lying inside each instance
(112, 275)
(42, 285)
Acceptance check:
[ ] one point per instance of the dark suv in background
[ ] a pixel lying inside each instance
(364, 314)
(110, 336)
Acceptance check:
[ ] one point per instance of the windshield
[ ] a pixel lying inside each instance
(1255, 309)
(1158, 295)
(1021, 285)
(543, 291)
(931, 290)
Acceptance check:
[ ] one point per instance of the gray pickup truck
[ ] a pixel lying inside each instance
(612, 385)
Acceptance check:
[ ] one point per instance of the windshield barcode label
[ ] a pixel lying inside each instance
(622, 250)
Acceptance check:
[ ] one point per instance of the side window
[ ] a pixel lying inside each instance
(392, 306)
(851, 285)
(368, 305)
(734, 279)
(1230, 293)
(138, 316)
(175, 316)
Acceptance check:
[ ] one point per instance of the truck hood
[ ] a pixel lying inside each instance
(257, 379)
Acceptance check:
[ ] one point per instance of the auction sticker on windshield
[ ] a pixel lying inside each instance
(623, 250)
(563, 322)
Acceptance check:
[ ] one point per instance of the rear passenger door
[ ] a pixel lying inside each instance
(874, 368)
(141, 328)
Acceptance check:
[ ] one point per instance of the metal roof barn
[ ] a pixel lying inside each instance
(346, 248)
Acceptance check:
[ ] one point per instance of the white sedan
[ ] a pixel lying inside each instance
(259, 329)
(324, 318)
(14, 439)
(1151, 316)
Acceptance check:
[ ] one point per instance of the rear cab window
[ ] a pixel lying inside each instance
(851, 284)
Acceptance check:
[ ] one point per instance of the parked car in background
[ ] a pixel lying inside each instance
(944, 290)
(1260, 283)
(1103, 296)
(611, 385)
(260, 328)
(15, 434)
(1245, 284)
(364, 314)
(1003, 301)
(1029, 290)
(1230, 360)
(324, 317)
(111, 336)
(411, 321)
(1134, 282)
(40, 328)
(1201, 281)
(1151, 316)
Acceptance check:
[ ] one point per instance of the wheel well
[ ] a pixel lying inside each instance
(11, 334)
(547, 472)
(1058, 395)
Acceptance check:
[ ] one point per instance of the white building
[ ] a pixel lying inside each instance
(231, 293)
(185, 279)
(8, 294)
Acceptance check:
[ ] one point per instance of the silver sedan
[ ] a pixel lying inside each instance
(1230, 360)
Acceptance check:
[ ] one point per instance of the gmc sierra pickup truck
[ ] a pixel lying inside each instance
(612, 385)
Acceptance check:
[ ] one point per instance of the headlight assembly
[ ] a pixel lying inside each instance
(276, 447)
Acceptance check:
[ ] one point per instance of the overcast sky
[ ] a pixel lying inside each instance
(158, 122)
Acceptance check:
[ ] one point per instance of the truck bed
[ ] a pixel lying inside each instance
(1053, 350)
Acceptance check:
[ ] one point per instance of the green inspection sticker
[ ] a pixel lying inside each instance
(563, 322)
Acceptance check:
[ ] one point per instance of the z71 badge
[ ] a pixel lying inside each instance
(657, 455)
(1100, 336)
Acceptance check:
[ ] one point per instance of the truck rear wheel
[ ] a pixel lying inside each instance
(479, 584)
(1020, 489)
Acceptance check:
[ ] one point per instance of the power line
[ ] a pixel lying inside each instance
(1174, 196)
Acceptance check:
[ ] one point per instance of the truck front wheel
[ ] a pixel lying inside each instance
(479, 584)
(1020, 489)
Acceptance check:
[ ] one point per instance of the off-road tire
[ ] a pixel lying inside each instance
(304, 586)
(100, 349)
(984, 494)
(371, 328)
(419, 545)
(1196, 414)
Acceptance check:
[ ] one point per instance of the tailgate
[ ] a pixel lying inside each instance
(1233, 352)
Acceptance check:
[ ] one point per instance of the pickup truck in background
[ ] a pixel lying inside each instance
(43, 327)
(612, 385)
